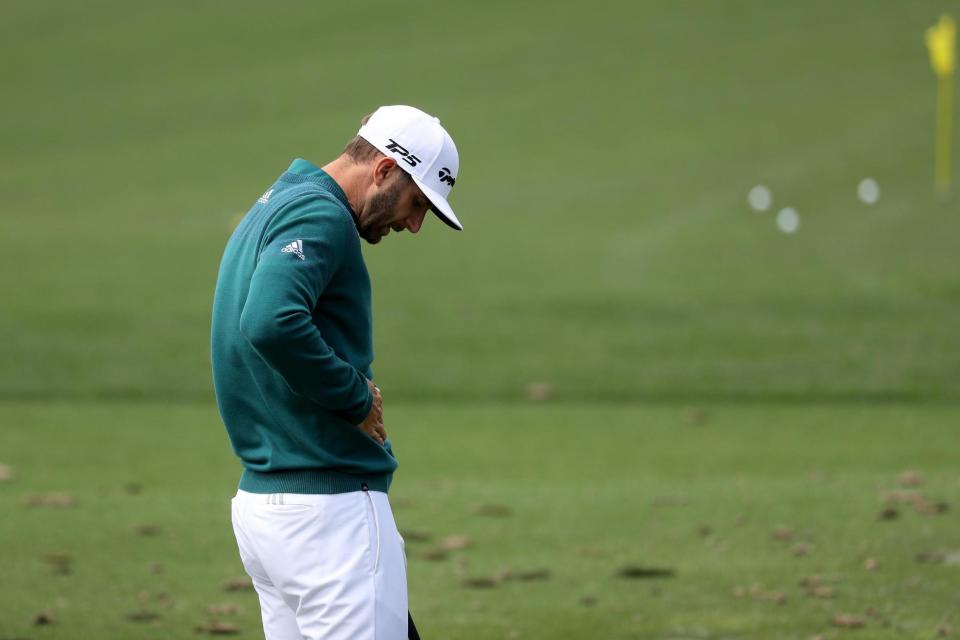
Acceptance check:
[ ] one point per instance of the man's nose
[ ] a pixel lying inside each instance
(414, 222)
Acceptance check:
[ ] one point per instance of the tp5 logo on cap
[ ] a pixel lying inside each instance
(427, 150)
(396, 147)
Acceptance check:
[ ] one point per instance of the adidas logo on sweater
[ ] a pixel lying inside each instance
(295, 247)
(265, 198)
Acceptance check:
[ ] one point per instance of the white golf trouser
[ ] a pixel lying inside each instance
(326, 567)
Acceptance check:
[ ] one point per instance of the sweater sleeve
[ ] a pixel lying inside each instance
(298, 259)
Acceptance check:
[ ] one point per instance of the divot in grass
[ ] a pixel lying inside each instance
(54, 500)
(238, 584)
(60, 564)
(539, 391)
(492, 510)
(783, 533)
(479, 583)
(133, 488)
(142, 615)
(910, 478)
(223, 609)
(434, 555)
(147, 530)
(888, 513)
(696, 416)
(416, 535)
(455, 543)
(161, 598)
(45, 618)
(530, 575)
(760, 593)
(217, 628)
(635, 572)
(849, 621)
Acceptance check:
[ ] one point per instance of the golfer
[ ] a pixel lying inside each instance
(292, 345)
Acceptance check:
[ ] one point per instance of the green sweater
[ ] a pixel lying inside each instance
(292, 343)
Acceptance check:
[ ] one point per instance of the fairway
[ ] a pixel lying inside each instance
(626, 404)
(563, 496)
(608, 246)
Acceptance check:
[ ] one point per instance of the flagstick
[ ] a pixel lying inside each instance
(944, 133)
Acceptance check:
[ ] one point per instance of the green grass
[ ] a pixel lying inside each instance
(607, 150)
(590, 490)
(610, 257)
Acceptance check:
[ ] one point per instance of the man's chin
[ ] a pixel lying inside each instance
(372, 237)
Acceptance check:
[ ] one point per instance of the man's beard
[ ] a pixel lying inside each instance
(375, 221)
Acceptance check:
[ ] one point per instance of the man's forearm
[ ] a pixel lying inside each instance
(291, 344)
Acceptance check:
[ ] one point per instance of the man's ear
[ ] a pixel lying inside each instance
(381, 169)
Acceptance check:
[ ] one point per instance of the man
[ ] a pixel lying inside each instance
(292, 346)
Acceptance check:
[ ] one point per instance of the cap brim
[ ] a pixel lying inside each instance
(439, 206)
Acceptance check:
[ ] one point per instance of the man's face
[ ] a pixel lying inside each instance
(396, 205)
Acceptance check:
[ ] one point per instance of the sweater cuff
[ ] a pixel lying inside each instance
(359, 415)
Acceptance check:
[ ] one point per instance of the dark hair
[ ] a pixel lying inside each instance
(360, 151)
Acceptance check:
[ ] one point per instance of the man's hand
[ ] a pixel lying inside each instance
(372, 425)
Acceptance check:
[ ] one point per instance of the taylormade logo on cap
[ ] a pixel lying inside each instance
(423, 148)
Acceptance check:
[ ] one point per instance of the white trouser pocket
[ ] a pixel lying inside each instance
(373, 525)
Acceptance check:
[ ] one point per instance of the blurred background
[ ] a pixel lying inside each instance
(692, 370)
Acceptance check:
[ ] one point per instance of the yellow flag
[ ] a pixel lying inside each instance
(941, 41)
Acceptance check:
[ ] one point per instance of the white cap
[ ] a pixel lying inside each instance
(423, 148)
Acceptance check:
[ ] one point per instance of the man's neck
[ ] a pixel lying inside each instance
(352, 179)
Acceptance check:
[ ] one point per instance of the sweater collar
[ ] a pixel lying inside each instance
(312, 172)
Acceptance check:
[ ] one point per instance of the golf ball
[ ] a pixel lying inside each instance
(868, 191)
(788, 220)
(760, 198)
